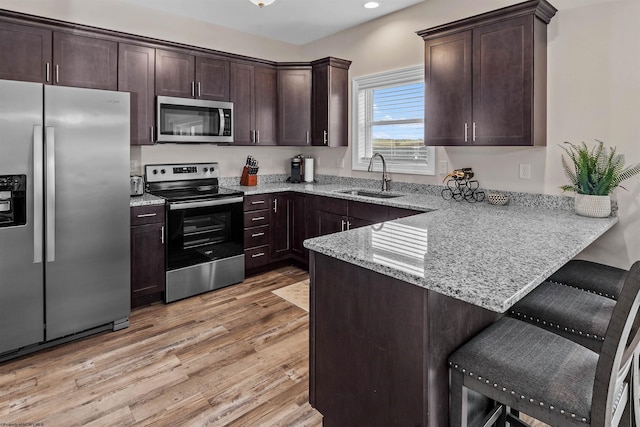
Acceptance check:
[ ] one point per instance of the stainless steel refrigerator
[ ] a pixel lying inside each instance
(64, 214)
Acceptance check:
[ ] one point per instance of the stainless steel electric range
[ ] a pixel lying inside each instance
(204, 230)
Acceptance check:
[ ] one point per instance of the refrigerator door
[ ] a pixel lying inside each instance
(86, 209)
(21, 268)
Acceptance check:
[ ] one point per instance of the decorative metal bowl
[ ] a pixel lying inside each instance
(498, 199)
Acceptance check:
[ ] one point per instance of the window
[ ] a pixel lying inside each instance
(389, 117)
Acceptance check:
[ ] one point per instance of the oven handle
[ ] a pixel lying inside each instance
(205, 203)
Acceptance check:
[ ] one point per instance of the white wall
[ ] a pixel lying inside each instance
(593, 93)
(593, 90)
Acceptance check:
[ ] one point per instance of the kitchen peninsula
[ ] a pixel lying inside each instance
(390, 302)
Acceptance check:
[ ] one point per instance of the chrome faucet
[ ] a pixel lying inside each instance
(385, 177)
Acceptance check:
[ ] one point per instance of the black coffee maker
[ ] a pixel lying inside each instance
(297, 171)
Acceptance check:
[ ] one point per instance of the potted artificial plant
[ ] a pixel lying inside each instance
(594, 174)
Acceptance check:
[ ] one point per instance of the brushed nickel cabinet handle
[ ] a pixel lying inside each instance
(258, 202)
(466, 132)
(48, 71)
(257, 255)
(258, 218)
(146, 215)
(257, 234)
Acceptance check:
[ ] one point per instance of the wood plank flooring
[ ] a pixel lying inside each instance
(233, 357)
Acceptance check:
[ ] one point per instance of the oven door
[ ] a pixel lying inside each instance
(205, 248)
(204, 231)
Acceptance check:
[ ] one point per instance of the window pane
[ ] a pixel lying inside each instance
(399, 103)
(399, 141)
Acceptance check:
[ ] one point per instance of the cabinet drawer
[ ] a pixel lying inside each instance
(256, 202)
(256, 257)
(141, 215)
(256, 218)
(256, 236)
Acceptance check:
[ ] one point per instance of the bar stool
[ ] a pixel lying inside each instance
(600, 279)
(530, 369)
(561, 305)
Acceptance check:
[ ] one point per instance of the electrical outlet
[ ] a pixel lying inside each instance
(444, 167)
(134, 165)
(525, 171)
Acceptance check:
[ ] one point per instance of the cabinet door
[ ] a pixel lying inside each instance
(136, 74)
(330, 105)
(25, 53)
(175, 72)
(448, 90)
(502, 82)
(294, 106)
(266, 105)
(362, 214)
(212, 78)
(147, 260)
(329, 222)
(242, 85)
(85, 61)
(280, 225)
(298, 225)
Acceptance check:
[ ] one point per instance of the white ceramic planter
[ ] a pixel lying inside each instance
(592, 206)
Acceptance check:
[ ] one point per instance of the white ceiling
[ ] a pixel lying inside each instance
(294, 21)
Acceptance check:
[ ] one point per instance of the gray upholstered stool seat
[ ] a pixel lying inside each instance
(573, 313)
(525, 368)
(590, 276)
(533, 365)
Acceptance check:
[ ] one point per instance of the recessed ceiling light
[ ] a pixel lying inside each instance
(371, 5)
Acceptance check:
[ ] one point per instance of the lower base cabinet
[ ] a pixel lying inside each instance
(147, 254)
(277, 224)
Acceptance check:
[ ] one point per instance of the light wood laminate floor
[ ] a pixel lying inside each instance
(237, 356)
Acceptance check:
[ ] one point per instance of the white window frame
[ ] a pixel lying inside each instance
(399, 77)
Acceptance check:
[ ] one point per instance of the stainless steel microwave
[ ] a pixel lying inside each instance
(184, 120)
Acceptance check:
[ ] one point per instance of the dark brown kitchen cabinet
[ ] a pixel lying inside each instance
(25, 53)
(330, 78)
(147, 254)
(485, 78)
(281, 221)
(257, 231)
(294, 105)
(181, 74)
(30, 53)
(253, 91)
(82, 61)
(298, 226)
(330, 215)
(136, 75)
(289, 226)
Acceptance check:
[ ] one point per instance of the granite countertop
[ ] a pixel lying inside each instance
(145, 200)
(489, 256)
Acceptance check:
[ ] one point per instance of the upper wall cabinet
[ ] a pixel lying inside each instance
(136, 74)
(40, 55)
(485, 78)
(294, 105)
(25, 53)
(330, 102)
(254, 96)
(187, 76)
(85, 61)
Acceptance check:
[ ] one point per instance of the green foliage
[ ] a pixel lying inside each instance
(596, 171)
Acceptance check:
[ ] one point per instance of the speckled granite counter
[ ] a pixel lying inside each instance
(145, 200)
(489, 256)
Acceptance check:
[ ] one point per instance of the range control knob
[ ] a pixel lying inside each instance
(205, 170)
(162, 171)
(155, 171)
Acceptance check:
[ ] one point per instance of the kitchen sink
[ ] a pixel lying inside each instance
(369, 193)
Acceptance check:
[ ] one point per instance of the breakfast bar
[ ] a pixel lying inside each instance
(391, 301)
